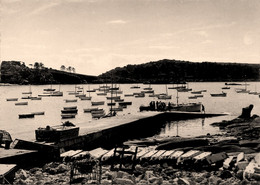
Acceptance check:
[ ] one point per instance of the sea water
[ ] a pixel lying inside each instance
(52, 106)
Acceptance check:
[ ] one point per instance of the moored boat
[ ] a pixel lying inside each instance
(21, 103)
(12, 99)
(68, 116)
(95, 103)
(26, 115)
(69, 111)
(38, 113)
(72, 100)
(57, 133)
(223, 94)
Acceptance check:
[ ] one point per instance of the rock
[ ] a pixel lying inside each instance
(21, 174)
(239, 174)
(182, 181)
(225, 174)
(123, 181)
(214, 180)
(148, 175)
(105, 182)
(152, 179)
(62, 168)
(246, 112)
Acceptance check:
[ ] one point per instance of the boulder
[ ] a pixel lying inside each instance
(246, 112)
(123, 181)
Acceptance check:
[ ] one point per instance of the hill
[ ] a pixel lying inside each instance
(16, 72)
(169, 71)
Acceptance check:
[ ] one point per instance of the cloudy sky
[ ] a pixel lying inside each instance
(94, 36)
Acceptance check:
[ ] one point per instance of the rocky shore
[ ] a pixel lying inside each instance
(241, 143)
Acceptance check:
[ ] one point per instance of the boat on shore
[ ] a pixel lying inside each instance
(57, 133)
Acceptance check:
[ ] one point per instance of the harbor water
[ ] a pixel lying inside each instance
(52, 106)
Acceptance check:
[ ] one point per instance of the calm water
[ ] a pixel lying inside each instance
(52, 106)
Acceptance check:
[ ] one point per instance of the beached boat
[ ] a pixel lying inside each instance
(28, 115)
(12, 99)
(57, 133)
(95, 103)
(223, 94)
(21, 103)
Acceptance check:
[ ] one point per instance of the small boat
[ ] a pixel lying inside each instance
(85, 98)
(67, 116)
(242, 91)
(91, 90)
(199, 96)
(101, 115)
(225, 87)
(69, 111)
(11, 99)
(126, 95)
(68, 108)
(57, 133)
(49, 89)
(119, 100)
(26, 92)
(90, 110)
(21, 103)
(196, 92)
(98, 111)
(233, 84)
(192, 97)
(26, 97)
(116, 108)
(139, 95)
(80, 95)
(125, 103)
(38, 113)
(111, 104)
(101, 94)
(148, 91)
(36, 98)
(113, 97)
(164, 97)
(69, 101)
(29, 115)
(223, 94)
(184, 89)
(97, 103)
(73, 93)
(135, 87)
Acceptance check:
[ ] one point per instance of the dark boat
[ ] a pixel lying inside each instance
(57, 133)
(69, 111)
(29, 115)
(223, 94)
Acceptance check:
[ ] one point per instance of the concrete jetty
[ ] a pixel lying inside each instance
(112, 130)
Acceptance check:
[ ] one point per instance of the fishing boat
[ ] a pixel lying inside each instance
(57, 133)
(223, 94)
(21, 103)
(27, 115)
(12, 99)
(95, 103)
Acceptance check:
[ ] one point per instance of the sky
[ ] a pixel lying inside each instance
(95, 36)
